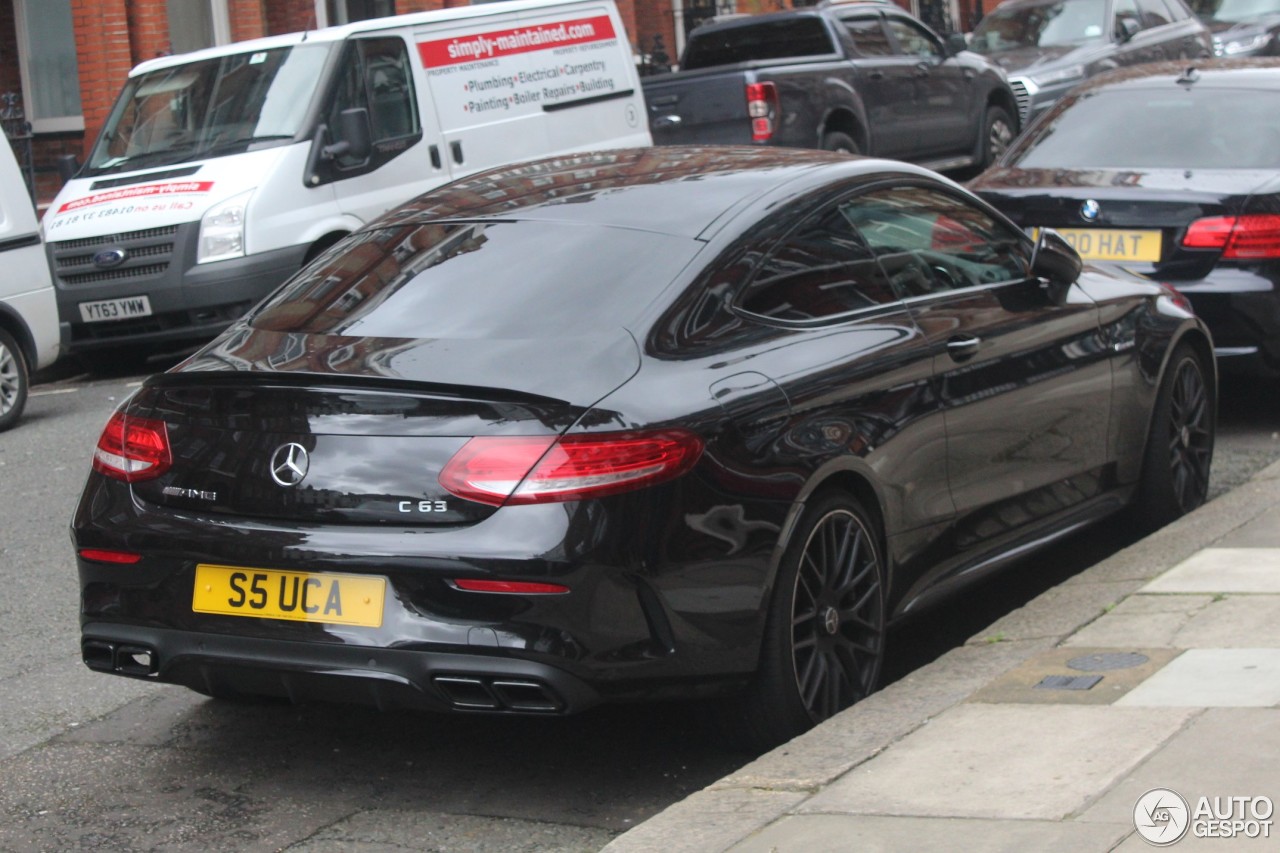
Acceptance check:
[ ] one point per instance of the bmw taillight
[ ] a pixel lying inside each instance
(133, 449)
(762, 106)
(1250, 237)
(498, 470)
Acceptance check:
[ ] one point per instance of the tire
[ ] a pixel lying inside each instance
(998, 130)
(15, 381)
(1179, 452)
(823, 645)
(841, 142)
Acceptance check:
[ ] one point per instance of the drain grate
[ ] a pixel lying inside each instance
(1107, 661)
(1068, 682)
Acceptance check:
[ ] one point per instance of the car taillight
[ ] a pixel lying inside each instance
(515, 587)
(133, 449)
(103, 555)
(762, 106)
(498, 470)
(1250, 237)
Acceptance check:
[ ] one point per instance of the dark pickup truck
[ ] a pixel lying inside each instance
(859, 77)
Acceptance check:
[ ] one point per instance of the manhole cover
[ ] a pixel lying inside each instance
(1107, 661)
(1068, 682)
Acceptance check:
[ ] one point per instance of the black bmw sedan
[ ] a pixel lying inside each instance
(1171, 172)
(671, 422)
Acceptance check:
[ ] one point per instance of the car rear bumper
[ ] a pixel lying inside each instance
(221, 665)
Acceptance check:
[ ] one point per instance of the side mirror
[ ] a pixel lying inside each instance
(67, 165)
(1126, 29)
(355, 136)
(956, 43)
(1056, 263)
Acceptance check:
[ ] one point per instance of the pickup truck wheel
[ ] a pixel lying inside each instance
(15, 379)
(841, 142)
(997, 133)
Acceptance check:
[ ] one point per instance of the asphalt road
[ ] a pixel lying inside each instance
(93, 762)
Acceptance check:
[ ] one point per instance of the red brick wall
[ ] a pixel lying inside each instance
(248, 19)
(10, 81)
(290, 16)
(105, 55)
(148, 29)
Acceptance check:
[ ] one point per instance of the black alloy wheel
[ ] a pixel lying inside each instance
(841, 143)
(823, 647)
(1175, 476)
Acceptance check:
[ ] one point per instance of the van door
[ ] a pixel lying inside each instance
(517, 87)
(376, 75)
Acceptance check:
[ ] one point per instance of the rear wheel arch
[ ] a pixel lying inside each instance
(843, 121)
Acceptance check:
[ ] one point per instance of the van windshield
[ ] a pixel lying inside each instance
(209, 108)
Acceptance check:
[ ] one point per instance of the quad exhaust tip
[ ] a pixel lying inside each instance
(482, 693)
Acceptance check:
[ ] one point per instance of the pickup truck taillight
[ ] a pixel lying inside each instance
(762, 106)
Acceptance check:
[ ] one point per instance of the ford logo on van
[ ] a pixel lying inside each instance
(108, 258)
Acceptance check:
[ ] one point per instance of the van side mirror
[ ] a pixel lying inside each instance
(956, 43)
(67, 165)
(1055, 262)
(1126, 29)
(354, 136)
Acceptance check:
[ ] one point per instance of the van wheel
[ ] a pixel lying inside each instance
(997, 133)
(1175, 467)
(15, 380)
(823, 644)
(841, 142)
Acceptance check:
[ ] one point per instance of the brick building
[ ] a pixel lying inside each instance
(62, 62)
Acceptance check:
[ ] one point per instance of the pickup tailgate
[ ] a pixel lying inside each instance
(691, 107)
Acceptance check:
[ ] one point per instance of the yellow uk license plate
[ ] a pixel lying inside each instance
(300, 596)
(1110, 244)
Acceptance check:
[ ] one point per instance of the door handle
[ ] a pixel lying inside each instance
(435, 156)
(456, 148)
(922, 69)
(875, 75)
(963, 347)
(670, 122)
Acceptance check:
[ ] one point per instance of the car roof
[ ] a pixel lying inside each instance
(1241, 73)
(677, 190)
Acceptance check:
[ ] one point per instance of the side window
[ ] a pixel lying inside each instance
(820, 270)
(1154, 13)
(912, 40)
(377, 77)
(929, 242)
(1127, 9)
(869, 36)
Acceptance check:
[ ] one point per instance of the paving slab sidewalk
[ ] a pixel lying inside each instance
(1135, 703)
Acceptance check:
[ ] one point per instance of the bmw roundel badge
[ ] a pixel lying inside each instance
(1089, 211)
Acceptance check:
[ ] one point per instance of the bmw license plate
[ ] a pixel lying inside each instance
(124, 308)
(298, 596)
(1110, 244)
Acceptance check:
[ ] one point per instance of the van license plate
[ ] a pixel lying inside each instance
(115, 309)
(298, 596)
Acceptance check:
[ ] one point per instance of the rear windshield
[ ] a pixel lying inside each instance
(777, 39)
(1180, 128)
(479, 279)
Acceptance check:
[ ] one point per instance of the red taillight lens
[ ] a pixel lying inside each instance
(762, 107)
(133, 449)
(512, 587)
(499, 470)
(1244, 238)
(102, 555)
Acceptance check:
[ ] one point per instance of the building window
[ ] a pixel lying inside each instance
(349, 11)
(197, 24)
(50, 72)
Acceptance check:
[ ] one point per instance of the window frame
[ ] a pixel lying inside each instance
(52, 124)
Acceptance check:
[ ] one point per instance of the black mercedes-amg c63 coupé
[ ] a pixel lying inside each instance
(658, 423)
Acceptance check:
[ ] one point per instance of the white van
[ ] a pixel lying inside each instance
(28, 309)
(219, 173)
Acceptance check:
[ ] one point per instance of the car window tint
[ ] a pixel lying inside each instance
(478, 279)
(913, 40)
(1154, 13)
(821, 270)
(929, 242)
(776, 39)
(1173, 129)
(869, 36)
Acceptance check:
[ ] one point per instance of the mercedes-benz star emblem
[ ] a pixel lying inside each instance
(1089, 210)
(289, 464)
